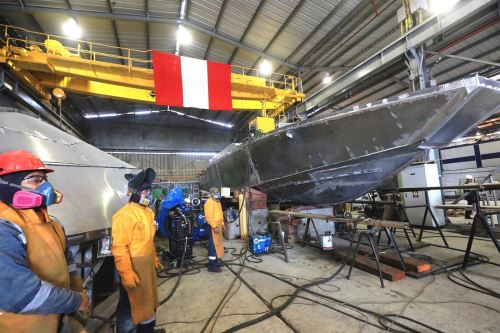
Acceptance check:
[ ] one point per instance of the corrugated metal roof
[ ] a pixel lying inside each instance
(166, 9)
(46, 3)
(220, 51)
(92, 5)
(236, 18)
(198, 46)
(163, 37)
(270, 19)
(204, 12)
(342, 21)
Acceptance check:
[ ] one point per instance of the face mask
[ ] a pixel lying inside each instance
(43, 195)
(50, 195)
(147, 200)
(26, 200)
(217, 196)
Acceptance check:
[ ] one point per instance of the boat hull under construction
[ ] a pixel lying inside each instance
(339, 156)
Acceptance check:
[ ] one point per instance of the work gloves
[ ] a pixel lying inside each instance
(158, 264)
(130, 280)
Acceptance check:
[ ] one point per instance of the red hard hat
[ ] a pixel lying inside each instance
(20, 160)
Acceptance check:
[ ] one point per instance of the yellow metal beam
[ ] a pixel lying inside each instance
(50, 64)
(95, 88)
(30, 81)
(89, 87)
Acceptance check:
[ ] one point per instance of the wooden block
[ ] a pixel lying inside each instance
(369, 265)
(392, 259)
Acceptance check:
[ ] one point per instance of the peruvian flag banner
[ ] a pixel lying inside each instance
(189, 82)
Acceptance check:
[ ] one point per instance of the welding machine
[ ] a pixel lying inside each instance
(259, 244)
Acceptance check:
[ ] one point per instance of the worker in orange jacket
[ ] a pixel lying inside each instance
(133, 230)
(37, 286)
(213, 215)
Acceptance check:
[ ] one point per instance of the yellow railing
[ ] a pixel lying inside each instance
(127, 56)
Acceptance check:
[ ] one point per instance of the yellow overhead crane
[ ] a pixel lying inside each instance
(87, 69)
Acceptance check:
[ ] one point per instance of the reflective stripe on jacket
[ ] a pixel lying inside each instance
(34, 278)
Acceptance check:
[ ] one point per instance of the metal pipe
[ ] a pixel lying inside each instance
(496, 64)
(483, 187)
(488, 208)
(364, 221)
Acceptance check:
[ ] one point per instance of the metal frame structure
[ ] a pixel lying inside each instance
(479, 220)
(51, 64)
(321, 100)
(149, 18)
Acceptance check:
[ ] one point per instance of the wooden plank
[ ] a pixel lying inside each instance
(390, 258)
(369, 265)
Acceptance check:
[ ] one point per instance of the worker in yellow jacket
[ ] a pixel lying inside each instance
(133, 230)
(36, 283)
(213, 215)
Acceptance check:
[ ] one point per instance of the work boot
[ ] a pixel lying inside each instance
(220, 263)
(215, 270)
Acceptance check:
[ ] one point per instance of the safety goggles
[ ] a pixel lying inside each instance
(35, 179)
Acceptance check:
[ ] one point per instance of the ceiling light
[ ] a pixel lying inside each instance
(265, 67)
(184, 36)
(72, 29)
(440, 7)
(327, 79)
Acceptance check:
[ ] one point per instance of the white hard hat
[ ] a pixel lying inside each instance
(469, 177)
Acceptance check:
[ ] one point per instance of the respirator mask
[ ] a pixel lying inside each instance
(147, 200)
(27, 198)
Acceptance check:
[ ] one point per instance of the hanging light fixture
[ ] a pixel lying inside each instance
(72, 29)
(265, 67)
(327, 79)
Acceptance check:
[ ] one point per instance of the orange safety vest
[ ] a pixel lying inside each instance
(46, 244)
(213, 215)
(133, 231)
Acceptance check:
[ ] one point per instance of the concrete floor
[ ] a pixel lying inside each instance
(433, 300)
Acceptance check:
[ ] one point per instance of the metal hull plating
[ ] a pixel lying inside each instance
(91, 180)
(337, 157)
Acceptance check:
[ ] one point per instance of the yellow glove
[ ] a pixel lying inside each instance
(130, 280)
(158, 264)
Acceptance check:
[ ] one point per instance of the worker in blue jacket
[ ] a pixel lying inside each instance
(37, 286)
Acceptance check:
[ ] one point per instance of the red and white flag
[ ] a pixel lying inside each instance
(190, 82)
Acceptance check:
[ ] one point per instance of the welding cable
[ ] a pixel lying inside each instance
(204, 319)
(333, 299)
(256, 293)
(479, 256)
(466, 282)
(283, 306)
(223, 306)
(181, 271)
(316, 302)
(386, 317)
(244, 250)
(237, 256)
(253, 259)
